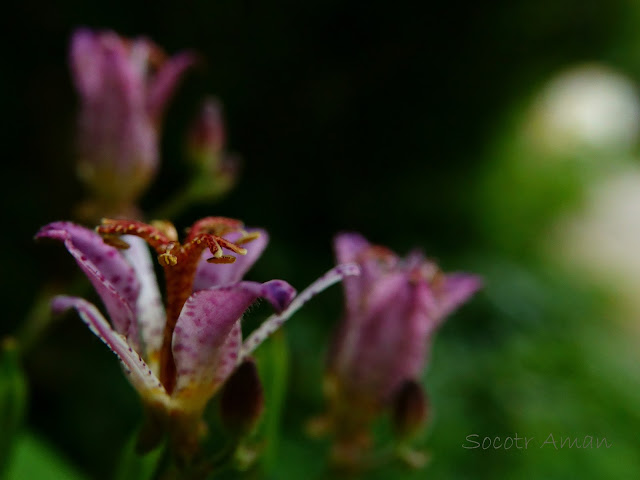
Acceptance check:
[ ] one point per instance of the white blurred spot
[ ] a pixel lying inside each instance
(603, 240)
(590, 107)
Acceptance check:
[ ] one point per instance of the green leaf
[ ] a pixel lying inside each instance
(33, 458)
(133, 466)
(273, 362)
(13, 394)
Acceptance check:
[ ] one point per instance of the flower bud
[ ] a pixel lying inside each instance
(124, 86)
(242, 400)
(409, 409)
(215, 170)
(206, 137)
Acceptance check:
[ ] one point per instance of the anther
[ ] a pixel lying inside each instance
(167, 259)
(222, 259)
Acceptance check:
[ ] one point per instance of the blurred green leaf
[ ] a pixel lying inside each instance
(133, 466)
(273, 366)
(34, 459)
(13, 396)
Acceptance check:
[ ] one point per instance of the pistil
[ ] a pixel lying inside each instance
(179, 262)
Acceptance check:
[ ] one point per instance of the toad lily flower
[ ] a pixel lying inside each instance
(124, 87)
(392, 310)
(177, 358)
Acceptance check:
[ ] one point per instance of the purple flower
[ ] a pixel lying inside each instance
(177, 357)
(124, 87)
(392, 311)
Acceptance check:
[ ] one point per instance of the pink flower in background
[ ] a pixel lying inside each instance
(392, 311)
(124, 87)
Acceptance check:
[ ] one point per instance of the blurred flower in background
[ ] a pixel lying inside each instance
(588, 108)
(124, 87)
(585, 108)
(559, 207)
(601, 238)
(581, 126)
(381, 347)
(592, 114)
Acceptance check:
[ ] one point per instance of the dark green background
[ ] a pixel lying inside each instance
(380, 117)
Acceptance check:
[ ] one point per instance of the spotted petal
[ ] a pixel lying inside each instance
(150, 311)
(391, 340)
(204, 335)
(228, 358)
(111, 275)
(373, 261)
(139, 374)
(212, 275)
(274, 322)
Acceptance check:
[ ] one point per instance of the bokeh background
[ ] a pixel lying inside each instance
(500, 137)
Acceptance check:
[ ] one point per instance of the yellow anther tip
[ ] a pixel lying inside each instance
(167, 259)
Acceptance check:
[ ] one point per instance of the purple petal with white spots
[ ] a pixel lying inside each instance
(274, 322)
(111, 275)
(391, 340)
(214, 275)
(149, 308)
(228, 358)
(204, 336)
(138, 373)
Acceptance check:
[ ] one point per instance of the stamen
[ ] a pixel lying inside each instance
(213, 225)
(153, 236)
(222, 259)
(180, 263)
(232, 246)
(167, 259)
(247, 237)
